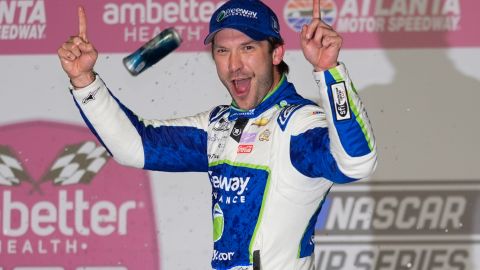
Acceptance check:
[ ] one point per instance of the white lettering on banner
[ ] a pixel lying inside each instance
(38, 247)
(411, 212)
(46, 218)
(10, 32)
(396, 24)
(365, 24)
(38, 268)
(22, 20)
(423, 24)
(391, 257)
(151, 12)
(400, 7)
(27, 12)
(145, 33)
(356, 16)
(78, 268)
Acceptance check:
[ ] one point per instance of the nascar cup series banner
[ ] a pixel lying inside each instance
(407, 225)
(38, 26)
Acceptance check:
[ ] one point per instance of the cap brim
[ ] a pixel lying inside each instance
(247, 30)
(210, 37)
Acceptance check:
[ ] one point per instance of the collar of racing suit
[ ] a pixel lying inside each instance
(283, 94)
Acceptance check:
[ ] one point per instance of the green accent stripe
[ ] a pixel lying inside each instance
(303, 234)
(336, 75)
(265, 193)
(239, 164)
(338, 78)
(320, 205)
(275, 89)
(359, 119)
(300, 244)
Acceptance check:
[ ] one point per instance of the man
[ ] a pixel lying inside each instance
(271, 156)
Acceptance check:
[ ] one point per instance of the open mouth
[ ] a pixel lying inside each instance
(241, 86)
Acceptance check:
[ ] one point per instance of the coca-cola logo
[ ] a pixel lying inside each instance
(65, 204)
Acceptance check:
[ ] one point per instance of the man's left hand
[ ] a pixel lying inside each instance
(320, 43)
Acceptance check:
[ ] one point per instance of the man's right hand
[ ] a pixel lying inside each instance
(78, 56)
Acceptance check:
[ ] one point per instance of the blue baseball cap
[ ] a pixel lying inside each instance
(251, 17)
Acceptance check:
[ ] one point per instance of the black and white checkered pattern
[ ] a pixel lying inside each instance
(77, 164)
(12, 172)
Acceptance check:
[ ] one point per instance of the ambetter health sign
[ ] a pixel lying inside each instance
(65, 204)
(40, 26)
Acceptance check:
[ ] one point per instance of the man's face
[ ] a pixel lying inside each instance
(245, 67)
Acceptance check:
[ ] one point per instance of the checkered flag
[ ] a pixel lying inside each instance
(77, 164)
(12, 172)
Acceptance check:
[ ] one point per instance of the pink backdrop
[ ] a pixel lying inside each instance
(39, 26)
(71, 223)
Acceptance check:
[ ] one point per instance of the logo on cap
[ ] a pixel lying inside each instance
(221, 16)
(275, 25)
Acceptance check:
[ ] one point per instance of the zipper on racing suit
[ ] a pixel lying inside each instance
(256, 260)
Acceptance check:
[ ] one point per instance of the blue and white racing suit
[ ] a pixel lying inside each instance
(270, 167)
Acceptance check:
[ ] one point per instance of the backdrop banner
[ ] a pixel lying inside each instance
(39, 26)
(60, 205)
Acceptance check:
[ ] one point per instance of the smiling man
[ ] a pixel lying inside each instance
(245, 66)
(271, 156)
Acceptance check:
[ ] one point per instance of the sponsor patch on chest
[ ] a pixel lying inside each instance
(245, 149)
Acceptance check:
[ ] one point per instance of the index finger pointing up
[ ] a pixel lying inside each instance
(316, 9)
(82, 24)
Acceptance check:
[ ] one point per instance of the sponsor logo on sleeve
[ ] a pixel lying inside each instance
(286, 114)
(340, 100)
(90, 97)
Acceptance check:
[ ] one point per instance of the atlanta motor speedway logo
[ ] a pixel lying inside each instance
(404, 225)
(299, 12)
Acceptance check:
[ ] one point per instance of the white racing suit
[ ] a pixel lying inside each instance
(270, 167)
